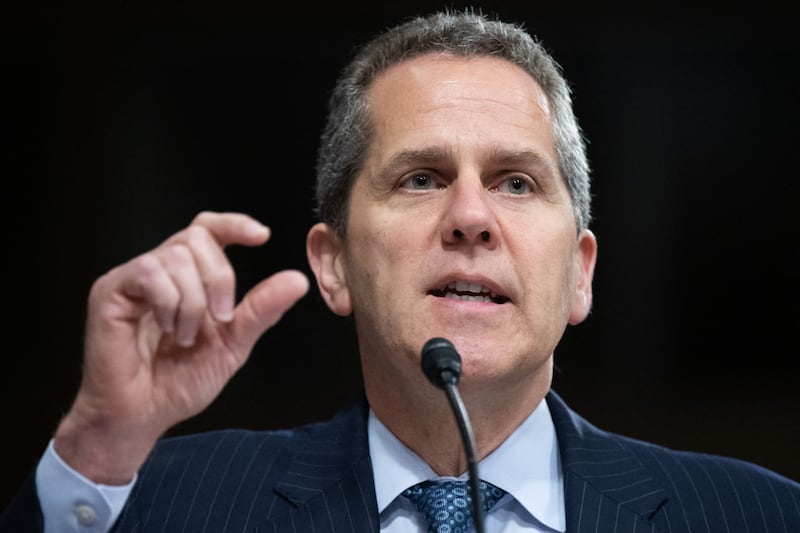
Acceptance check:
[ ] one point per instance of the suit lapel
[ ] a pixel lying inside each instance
(604, 483)
(329, 485)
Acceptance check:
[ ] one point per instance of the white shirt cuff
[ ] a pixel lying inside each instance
(71, 502)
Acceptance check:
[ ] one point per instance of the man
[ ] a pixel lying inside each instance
(453, 193)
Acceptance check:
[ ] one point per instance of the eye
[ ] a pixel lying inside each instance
(420, 182)
(515, 185)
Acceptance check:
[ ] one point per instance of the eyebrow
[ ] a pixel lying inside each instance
(497, 155)
(421, 156)
(526, 157)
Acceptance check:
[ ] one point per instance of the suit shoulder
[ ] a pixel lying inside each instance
(238, 444)
(686, 467)
(229, 479)
(660, 460)
(177, 459)
(677, 490)
(225, 438)
(244, 440)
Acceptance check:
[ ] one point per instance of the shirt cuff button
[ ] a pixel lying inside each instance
(85, 515)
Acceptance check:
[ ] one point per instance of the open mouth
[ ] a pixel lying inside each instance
(469, 292)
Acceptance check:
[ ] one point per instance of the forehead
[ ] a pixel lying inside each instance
(444, 80)
(476, 104)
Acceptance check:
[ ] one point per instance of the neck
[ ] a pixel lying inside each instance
(419, 415)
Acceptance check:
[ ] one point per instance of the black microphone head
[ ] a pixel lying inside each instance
(441, 363)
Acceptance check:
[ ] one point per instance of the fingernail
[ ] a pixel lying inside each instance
(185, 341)
(223, 308)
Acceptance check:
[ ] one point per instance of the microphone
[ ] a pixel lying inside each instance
(441, 364)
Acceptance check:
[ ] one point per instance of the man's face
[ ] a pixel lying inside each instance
(460, 225)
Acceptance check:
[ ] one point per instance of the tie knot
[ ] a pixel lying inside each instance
(447, 505)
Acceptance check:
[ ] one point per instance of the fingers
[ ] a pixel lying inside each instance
(180, 264)
(206, 237)
(189, 273)
(212, 268)
(169, 281)
(232, 228)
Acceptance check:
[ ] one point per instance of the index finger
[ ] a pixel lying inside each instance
(232, 228)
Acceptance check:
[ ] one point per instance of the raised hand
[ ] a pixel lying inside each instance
(163, 337)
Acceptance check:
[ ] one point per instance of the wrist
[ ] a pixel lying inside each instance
(101, 449)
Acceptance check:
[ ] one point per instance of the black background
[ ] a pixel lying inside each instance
(121, 123)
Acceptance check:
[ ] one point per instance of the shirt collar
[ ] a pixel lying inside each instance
(527, 466)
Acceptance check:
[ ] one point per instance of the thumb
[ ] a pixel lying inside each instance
(265, 304)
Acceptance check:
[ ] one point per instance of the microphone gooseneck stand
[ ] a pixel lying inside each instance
(441, 364)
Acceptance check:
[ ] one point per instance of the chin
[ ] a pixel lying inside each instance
(482, 346)
(477, 363)
(499, 362)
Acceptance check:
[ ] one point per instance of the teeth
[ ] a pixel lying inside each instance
(466, 286)
(468, 298)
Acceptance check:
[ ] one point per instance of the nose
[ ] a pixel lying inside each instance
(469, 217)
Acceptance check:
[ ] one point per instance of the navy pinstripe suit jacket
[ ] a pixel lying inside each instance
(319, 478)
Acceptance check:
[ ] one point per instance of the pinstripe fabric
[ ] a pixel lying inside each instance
(618, 484)
(314, 478)
(318, 478)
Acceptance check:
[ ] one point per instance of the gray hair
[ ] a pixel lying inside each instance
(346, 136)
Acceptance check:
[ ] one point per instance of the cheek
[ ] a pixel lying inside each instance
(376, 260)
(548, 273)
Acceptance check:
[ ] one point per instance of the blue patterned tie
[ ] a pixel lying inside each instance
(447, 505)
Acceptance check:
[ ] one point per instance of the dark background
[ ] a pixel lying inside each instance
(120, 124)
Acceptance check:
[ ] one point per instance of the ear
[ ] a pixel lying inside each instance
(585, 258)
(324, 250)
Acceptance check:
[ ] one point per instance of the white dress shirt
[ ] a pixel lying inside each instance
(527, 466)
